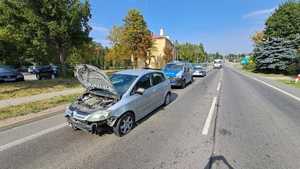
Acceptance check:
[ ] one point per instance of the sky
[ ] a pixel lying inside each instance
(223, 26)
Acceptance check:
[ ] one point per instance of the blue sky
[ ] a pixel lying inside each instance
(223, 26)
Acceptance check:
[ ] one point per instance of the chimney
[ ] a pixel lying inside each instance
(161, 32)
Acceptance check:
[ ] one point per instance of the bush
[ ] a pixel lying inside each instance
(293, 69)
(250, 67)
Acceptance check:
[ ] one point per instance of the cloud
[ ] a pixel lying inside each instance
(263, 12)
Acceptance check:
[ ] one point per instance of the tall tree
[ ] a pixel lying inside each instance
(285, 21)
(119, 52)
(137, 37)
(67, 24)
(44, 29)
(21, 30)
(275, 55)
(191, 52)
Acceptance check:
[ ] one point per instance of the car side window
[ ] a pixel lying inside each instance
(157, 78)
(144, 82)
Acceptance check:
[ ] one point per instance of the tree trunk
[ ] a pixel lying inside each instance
(134, 60)
(62, 61)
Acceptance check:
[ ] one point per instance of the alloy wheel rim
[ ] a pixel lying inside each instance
(127, 124)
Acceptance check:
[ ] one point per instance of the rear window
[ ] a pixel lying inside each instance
(173, 67)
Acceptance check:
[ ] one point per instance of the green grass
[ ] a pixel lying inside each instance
(35, 107)
(291, 83)
(28, 88)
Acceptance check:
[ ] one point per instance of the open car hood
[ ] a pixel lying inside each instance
(95, 80)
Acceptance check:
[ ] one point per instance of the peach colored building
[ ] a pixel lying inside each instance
(158, 59)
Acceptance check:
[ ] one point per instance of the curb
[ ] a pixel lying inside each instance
(13, 122)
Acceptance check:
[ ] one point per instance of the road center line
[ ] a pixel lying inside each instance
(209, 117)
(219, 86)
(31, 137)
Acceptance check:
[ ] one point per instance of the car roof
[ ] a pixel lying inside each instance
(176, 63)
(137, 72)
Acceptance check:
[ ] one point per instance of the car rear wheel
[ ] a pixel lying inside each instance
(124, 125)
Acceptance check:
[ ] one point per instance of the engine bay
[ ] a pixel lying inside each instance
(89, 102)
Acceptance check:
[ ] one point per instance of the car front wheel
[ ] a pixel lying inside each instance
(124, 125)
(183, 84)
(167, 99)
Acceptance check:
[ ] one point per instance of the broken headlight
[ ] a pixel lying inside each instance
(98, 116)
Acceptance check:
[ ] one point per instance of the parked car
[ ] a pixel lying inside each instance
(55, 69)
(218, 64)
(118, 101)
(44, 72)
(31, 69)
(198, 70)
(8, 74)
(179, 73)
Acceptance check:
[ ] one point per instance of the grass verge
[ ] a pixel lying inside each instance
(291, 83)
(28, 88)
(35, 107)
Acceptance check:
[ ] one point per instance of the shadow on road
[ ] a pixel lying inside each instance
(217, 160)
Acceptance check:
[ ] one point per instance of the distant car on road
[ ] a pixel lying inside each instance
(8, 74)
(218, 64)
(179, 73)
(119, 101)
(198, 70)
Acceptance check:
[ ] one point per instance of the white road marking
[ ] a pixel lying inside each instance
(267, 84)
(209, 117)
(31, 137)
(276, 88)
(219, 86)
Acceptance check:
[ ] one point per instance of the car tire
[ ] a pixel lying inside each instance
(38, 77)
(124, 125)
(167, 99)
(183, 84)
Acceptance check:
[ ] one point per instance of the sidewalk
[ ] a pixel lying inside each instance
(28, 99)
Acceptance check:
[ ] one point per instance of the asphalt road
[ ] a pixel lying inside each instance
(258, 127)
(250, 126)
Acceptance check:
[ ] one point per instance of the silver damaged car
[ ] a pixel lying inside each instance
(118, 101)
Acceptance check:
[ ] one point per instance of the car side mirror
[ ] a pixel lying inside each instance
(140, 91)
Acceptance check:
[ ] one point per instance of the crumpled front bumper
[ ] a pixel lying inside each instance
(92, 127)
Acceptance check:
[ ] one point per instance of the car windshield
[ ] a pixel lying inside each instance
(5, 70)
(173, 67)
(122, 82)
(197, 67)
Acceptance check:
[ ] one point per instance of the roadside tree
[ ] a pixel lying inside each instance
(137, 37)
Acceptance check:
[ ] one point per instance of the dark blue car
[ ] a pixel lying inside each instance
(8, 74)
(179, 73)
